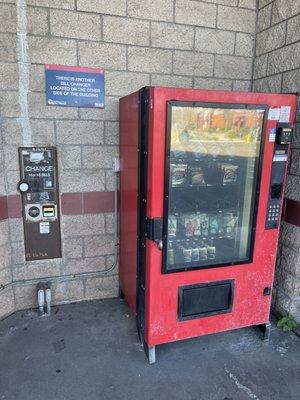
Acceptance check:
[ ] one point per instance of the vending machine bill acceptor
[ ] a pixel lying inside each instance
(201, 190)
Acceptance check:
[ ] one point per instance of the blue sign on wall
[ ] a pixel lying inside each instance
(74, 86)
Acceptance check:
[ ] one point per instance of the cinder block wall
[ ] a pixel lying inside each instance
(200, 44)
(277, 69)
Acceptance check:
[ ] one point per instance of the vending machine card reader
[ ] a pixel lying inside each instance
(40, 202)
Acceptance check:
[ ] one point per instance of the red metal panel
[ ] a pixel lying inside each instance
(250, 307)
(128, 205)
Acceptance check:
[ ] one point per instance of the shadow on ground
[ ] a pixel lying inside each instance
(91, 351)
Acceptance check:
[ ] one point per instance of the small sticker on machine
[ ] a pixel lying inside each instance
(280, 157)
(285, 112)
(272, 135)
(44, 228)
(274, 114)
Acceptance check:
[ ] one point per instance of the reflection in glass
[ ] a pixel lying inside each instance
(213, 164)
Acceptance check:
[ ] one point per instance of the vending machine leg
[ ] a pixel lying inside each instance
(150, 353)
(121, 294)
(265, 329)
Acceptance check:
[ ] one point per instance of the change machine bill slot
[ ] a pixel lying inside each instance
(40, 202)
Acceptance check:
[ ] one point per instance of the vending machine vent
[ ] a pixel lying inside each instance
(202, 300)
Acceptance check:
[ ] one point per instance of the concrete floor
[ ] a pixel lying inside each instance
(91, 351)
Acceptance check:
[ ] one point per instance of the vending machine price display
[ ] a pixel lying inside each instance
(213, 155)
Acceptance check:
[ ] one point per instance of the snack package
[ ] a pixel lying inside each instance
(204, 224)
(197, 225)
(188, 223)
(214, 225)
(230, 173)
(179, 174)
(229, 223)
(197, 175)
(172, 226)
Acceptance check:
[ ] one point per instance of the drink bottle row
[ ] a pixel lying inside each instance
(190, 251)
(202, 224)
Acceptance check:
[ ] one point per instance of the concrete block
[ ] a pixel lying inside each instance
(36, 78)
(72, 247)
(295, 162)
(283, 9)
(17, 253)
(16, 229)
(109, 180)
(75, 25)
(233, 3)
(83, 225)
(109, 113)
(65, 4)
(25, 296)
(171, 80)
(293, 29)
(102, 287)
(9, 76)
(8, 47)
(172, 36)
(67, 292)
(105, 55)
(12, 178)
(5, 256)
(11, 157)
(290, 236)
(268, 84)
(79, 132)
(145, 59)
(289, 284)
(9, 103)
(37, 21)
(36, 269)
(98, 245)
(296, 135)
(283, 302)
(89, 180)
(44, 50)
(94, 264)
(248, 4)
(290, 81)
(191, 63)
(7, 304)
(242, 86)
(109, 223)
(69, 157)
(263, 3)
(4, 232)
(264, 18)
(111, 133)
(212, 83)
(39, 109)
(260, 66)
(99, 156)
(103, 6)
(127, 31)
(5, 277)
(244, 44)
(236, 19)
(292, 187)
(270, 39)
(8, 18)
(214, 41)
(195, 13)
(233, 67)
(122, 83)
(161, 10)
(42, 132)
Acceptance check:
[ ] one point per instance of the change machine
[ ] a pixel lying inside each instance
(201, 191)
(40, 203)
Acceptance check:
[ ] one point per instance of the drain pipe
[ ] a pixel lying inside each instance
(48, 298)
(41, 298)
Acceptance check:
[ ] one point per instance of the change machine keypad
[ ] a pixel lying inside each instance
(40, 202)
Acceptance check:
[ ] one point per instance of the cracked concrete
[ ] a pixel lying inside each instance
(90, 351)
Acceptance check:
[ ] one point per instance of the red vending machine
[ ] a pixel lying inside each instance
(201, 191)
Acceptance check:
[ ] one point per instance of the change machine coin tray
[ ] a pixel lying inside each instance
(40, 205)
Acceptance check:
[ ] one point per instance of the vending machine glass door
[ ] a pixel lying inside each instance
(212, 164)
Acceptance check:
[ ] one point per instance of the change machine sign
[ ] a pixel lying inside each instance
(74, 86)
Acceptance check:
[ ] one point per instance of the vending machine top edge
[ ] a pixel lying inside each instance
(201, 190)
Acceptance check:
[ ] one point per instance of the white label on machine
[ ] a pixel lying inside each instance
(280, 157)
(285, 112)
(274, 114)
(44, 227)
